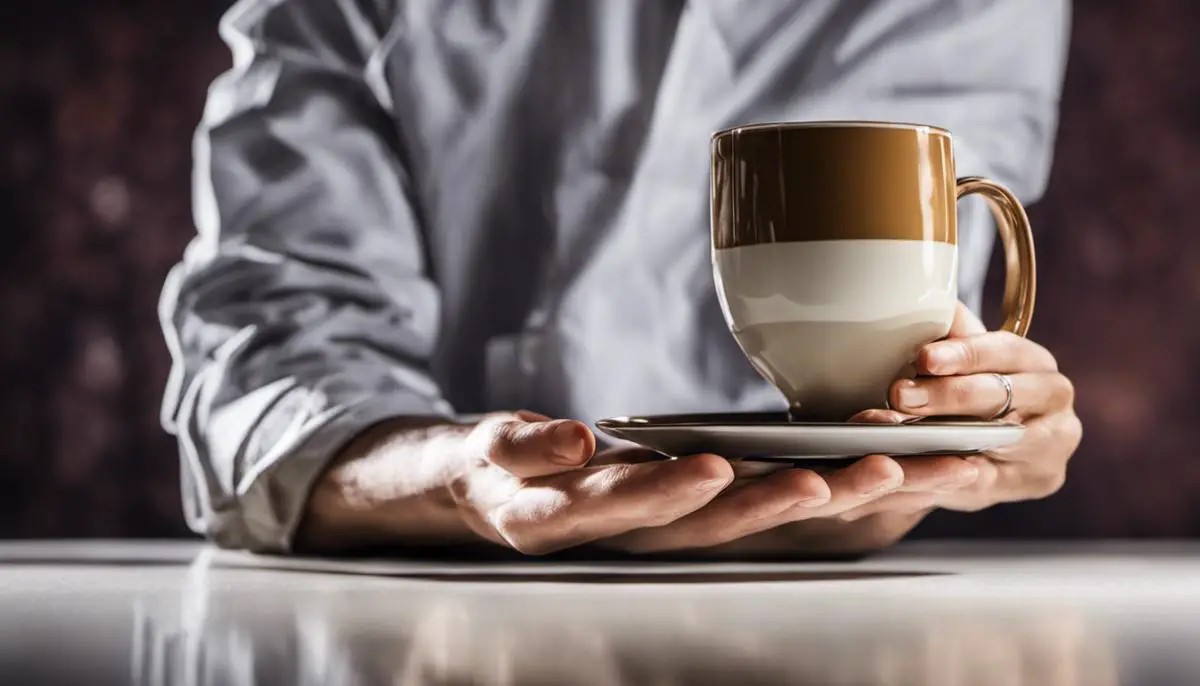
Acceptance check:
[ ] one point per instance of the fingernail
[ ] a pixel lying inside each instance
(912, 395)
(566, 443)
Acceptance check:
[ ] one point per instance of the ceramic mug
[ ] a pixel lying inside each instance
(835, 254)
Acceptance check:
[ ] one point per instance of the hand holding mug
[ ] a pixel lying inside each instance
(876, 501)
(984, 374)
(957, 376)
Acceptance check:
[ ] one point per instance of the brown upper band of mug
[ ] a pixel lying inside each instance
(816, 181)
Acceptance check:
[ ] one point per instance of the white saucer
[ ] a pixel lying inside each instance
(771, 436)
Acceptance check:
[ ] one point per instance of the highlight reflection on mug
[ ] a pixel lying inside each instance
(342, 638)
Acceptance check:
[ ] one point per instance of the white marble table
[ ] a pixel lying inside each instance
(1052, 614)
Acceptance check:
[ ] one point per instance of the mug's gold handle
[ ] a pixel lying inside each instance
(1020, 281)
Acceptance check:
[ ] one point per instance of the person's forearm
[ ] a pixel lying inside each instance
(391, 485)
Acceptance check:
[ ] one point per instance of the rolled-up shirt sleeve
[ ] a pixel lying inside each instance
(302, 312)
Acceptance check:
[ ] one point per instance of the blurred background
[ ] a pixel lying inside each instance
(98, 100)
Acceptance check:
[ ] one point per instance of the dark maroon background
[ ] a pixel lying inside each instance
(98, 100)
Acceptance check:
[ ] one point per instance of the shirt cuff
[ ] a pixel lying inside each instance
(272, 495)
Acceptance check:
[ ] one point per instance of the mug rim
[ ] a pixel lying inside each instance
(833, 124)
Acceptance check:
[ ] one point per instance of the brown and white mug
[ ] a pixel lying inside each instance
(835, 254)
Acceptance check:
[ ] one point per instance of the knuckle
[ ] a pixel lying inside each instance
(698, 469)
(652, 502)
(1041, 433)
(1076, 431)
(1072, 431)
(800, 481)
(981, 487)
(971, 354)
(978, 495)
(1020, 352)
(515, 531)
(1008, 350)
(971, 490)
(876, 467)
(497, 451)
(495, 439)
(708, 467)
(1064, 432)
(1008, 340)
(1047, 484)
(611, 478)
(960, 392)
(529, 531)
(1065, 390)
(1042, 356)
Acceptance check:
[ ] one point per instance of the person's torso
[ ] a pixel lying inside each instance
(559, 157)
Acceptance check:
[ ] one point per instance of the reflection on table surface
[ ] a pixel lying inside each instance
(191, 620)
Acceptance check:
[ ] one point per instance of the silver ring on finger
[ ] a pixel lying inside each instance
(1008, 396)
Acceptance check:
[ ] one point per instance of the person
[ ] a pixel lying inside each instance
(415, 280)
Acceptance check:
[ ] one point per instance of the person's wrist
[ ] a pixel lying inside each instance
(388, 486)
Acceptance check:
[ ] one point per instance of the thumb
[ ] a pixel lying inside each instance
(528, 445)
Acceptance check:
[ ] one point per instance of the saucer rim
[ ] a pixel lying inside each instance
(655, 422)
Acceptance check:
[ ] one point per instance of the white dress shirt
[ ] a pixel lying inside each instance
(454, 206)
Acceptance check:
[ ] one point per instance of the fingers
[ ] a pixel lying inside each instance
(934, 473)
(926, 478)
(869, 478)
(554, 512)
(738, 512)
(903, 503)
(1035, 469)
(997, 351)
(1032, 469)
(783, 497)
(527, 446)
(982, 395)
(872, 485)
(981, 493)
